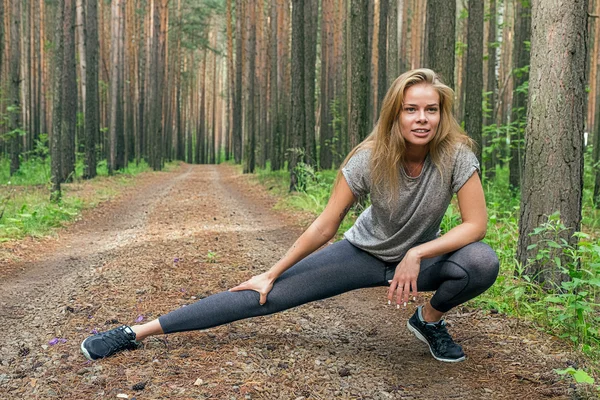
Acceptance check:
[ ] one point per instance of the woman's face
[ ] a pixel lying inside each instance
(420, 115)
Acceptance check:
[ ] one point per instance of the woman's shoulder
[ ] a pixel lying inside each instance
(461, 150)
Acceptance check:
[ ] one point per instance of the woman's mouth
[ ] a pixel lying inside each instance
(420, 132)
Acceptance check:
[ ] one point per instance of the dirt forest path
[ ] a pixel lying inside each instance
(179, 236)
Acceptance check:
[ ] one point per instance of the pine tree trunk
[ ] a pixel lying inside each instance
(201, 131)
(250, 142)
(92, 108)
(474, 85)
(553, 173)
(325, 139)
(69, 93)
(441, 30)
(359, 62)
(230, 83)
(382, 53)
(55, 139)
(114, 86)
(491, 87)
(311, 18)
(521, 58)
(393, 41)
(298, 92)
(14, 110)
(274, 85)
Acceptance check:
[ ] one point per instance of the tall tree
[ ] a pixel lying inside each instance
(359, 60)
(69, 93)
(92, 100)
(115, 95)
(520, 72)
(1, 36)
(14, 110)
(274, 120)
(311, 17)
(298, 91)
(393, 40)
(326, 134)
(553, 173)
(441, 27)
(231, 81)
(491, 87)
(474, 95)
(55, 139)
(237, 100)
(382, 53)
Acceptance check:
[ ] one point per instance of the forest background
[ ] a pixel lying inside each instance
(287, 87)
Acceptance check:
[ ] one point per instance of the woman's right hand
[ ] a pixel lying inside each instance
(262, 284)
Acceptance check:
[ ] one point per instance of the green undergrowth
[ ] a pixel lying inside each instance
(569, 310)
(25, 207)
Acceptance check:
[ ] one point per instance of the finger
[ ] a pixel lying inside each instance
(399, 291)
(391, 290)
(415, 291)
(406, 292)
(263, 298)
(241, 286)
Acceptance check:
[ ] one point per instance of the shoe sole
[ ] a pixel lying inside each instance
(419, 336)
(85, 352)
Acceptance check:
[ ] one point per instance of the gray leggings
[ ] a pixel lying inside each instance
(338, 268)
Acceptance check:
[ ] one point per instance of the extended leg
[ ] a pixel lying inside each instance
(336, 269)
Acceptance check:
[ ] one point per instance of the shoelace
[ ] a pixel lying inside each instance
(118, 339)
(440, 333)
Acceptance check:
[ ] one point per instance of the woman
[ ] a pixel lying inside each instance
(412, 163)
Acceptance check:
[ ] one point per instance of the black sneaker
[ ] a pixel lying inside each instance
(440, 343)
(108, 343)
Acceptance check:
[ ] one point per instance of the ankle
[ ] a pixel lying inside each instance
(430, 314)
(149, 329)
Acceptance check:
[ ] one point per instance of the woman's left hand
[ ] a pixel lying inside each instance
(405, 278)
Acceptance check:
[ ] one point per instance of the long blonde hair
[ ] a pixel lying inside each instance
(387, 145)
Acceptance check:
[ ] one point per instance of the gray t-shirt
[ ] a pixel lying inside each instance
(389, 231)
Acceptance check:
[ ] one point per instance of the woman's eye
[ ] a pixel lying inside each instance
(409, 109)
(433, 110)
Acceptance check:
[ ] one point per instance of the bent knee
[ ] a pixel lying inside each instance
(481, 261)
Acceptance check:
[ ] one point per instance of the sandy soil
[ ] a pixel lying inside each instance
(175, 237)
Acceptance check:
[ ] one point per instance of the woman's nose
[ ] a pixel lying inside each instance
(422, 116)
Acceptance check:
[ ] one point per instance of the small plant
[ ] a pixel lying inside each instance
(211, 257)
(579, 375)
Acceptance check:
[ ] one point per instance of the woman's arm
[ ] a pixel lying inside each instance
(318, 233)
(471, 202)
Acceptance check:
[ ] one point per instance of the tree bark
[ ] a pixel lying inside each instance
(393, 66)
(274, 93)
(311, 17)
(553, 173)
(69, 93)
(55, 139)
(251, 118)
(521, 59)
(359, 60)
(382, 54)
(14, 110)
(114, 85)
(441, 30)
(298, 91)
(92, 106)
(474, 85)
(237, 102)
(491, 87)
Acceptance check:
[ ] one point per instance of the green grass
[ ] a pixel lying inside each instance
(570, 310)
(30, 213)
(25, 207)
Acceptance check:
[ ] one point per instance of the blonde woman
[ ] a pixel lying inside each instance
(412, 163)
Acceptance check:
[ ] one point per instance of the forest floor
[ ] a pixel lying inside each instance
(175, 237)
